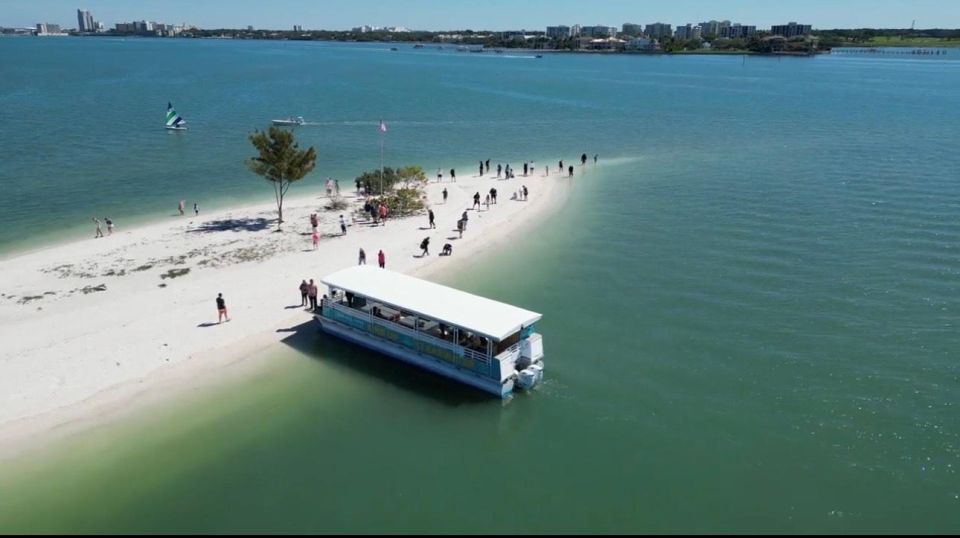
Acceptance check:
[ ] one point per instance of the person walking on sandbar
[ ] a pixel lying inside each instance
(221, 309)
(476, 201)
(425, 246)
(430, 216)
(363, 258)
(180, 207)
(453, 175)
(481, 168)
(99, 232)
(382, 259)
(444, 195)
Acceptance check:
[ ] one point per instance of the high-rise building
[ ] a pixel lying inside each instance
(688, 31)
(598, 31)
(575, 30)
(658, 30)
(85, 22)
(558, 32)
(791, 29)
(46, 28)
(738, 31)
(714, 28)
(632, 29)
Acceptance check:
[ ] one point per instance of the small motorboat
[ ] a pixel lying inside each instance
(290, 121)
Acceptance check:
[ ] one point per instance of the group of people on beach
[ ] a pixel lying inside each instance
(99, 232)
(182, 204)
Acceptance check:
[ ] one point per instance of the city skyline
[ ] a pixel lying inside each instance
(493, 15)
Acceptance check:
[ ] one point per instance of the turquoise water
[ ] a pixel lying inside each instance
(749, 306)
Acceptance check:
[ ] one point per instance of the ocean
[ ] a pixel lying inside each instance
(749, 304)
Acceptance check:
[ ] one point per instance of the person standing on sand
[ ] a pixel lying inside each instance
(460, 226)
(221, 309)
(583, 159)
(570, 171)
(595, 158)
(493, 195)
(532, 167)
(343, 226)
(560, 165)
(453, 175)
(481, 168)
(526, 167)
(425, 246)
(316, 239)
(476, 200)
(336, 186)
(109, 225)
(99, 231)
(363, 258)
(499, 169)
(381, 259)
(525, 192)
(304, 288)
(488, 166)
(312, 294)
(430, 216)
(444, 195)
(313, 221)
(439, 176)
(180, 207)
(383, 214)
(486, 201)
(196, 209)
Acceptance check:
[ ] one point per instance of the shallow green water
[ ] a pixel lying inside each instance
(749, 313)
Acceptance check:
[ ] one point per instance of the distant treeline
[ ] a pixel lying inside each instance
(826, 39)
(867, 36)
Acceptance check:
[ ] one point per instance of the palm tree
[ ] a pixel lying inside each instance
(280, 161)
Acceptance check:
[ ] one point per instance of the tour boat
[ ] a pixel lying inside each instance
(174, 121)
(290, 121)
(477, 341)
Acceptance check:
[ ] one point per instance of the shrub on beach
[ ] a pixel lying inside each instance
(402, 189)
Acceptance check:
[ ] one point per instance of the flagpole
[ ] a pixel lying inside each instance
(381, 163)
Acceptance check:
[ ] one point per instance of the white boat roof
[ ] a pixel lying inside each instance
(441, 303)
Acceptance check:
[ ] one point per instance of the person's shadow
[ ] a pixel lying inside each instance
(208, 324)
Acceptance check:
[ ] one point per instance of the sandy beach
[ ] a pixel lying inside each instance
(98, 326)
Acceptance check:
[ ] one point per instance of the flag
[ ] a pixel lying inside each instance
(383, 127)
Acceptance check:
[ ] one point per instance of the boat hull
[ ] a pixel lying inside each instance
(384, 347)
(169, 128)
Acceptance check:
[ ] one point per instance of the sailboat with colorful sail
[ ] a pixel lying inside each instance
(174, 121)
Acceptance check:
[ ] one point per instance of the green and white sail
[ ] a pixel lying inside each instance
(174, 121)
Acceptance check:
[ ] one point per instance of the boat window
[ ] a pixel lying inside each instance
(437, 329)
(504, 344)
(472, 341)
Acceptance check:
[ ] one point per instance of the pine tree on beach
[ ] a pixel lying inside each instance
(280, 161)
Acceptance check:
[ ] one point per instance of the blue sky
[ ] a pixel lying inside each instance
(486, 14)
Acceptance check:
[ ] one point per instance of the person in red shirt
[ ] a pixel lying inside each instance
(383, 214)
(381, 259)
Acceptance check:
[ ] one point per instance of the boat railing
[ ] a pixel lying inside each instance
(475, 355)
(417, 335)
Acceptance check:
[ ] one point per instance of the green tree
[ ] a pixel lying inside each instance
(280, 161)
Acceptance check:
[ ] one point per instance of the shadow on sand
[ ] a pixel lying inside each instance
(310, 340)
(234, 225)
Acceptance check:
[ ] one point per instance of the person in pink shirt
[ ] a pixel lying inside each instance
(316, 239)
